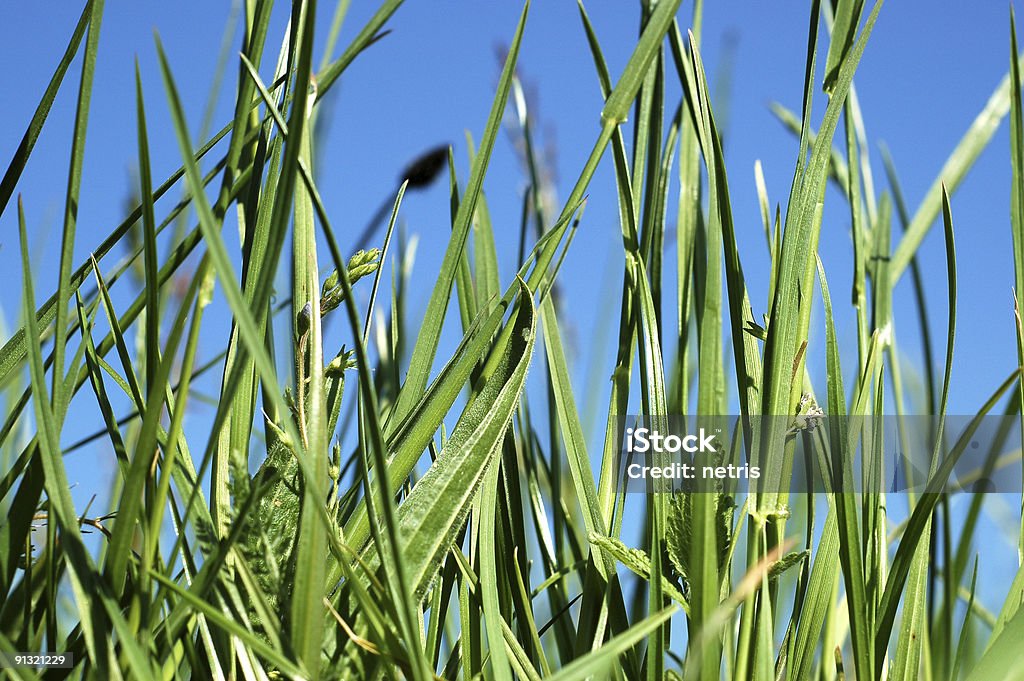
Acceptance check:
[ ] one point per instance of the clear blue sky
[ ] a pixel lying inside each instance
(928, 70)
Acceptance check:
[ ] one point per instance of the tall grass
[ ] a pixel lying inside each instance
(437, 519)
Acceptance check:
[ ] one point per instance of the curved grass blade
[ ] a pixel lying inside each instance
(604, 661)
(439, 502)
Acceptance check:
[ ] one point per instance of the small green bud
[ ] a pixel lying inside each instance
(330, 283)
(362, 264)
(344, 360)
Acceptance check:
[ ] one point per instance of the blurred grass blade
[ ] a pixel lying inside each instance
(1002, 659)
(953, 172)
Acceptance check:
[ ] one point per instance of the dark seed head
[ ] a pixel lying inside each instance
(304, 319)
(425, 168)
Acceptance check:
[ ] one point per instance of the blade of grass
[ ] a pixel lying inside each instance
(439, 502)
(35, 125)
(952, 174)
(911, 640)
(1017, 220)
(425, 347)
(152, 333)
(306, 616)
(779, 390)
(604, 660)
(86, 585)
(489, 578)
(72, 198)
(1002, 659)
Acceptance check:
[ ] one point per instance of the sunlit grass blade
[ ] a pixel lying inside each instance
(911, 639)
(489, 555)
(149, 239)
(847, 19)
(435, 509)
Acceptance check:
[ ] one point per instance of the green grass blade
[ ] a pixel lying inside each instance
(425, 348)
(149, 239)
(489, 579)
(35, 125)
(603, 662)
(1002, 659)
(228, 623)
(779, 389)
(306, 616)
(251, 337)
(85, 582)
(137, 478)
(485, 257)
(955, 169)
(407, 439)
(818, 600)
(847, 509)
(909, 643)
(747, 354)
(1017, 218)
(72, 198)
(911, 639)
(437, 506)
(616, 107)
(844, 30)
(965, 628)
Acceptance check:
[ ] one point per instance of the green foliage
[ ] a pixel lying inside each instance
(443, 517)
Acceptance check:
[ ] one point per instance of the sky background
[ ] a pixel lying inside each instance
(928, 70)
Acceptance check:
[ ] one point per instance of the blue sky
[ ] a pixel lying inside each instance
(928, 70)
(924, 77)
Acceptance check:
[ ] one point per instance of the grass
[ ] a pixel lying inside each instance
(437, 519)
